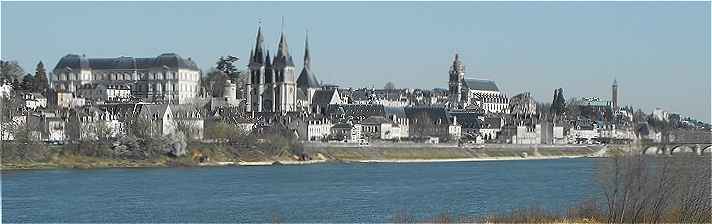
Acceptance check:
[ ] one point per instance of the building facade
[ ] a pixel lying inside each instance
(168, 78)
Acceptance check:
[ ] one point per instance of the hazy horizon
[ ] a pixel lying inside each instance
(658, 51)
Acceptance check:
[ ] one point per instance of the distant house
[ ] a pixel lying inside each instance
(313, 129)
(161, 117)
(347, 132)
(192, 119)
(432, 121)
(377, 127)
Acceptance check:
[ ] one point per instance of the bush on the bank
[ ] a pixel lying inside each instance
(33, 152)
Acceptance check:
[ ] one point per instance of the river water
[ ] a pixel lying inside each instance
(306, 193)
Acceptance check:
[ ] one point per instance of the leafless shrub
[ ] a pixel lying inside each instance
(639, 188)
(402, 216)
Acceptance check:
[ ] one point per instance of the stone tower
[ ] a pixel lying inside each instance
(285, 78)
(457, 76)
(614, 95)
(258, 69)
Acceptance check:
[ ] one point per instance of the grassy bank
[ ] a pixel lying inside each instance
(41, 156)
(356, 153)
(88, 156)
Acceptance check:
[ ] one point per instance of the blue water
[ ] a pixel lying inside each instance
(309, 193)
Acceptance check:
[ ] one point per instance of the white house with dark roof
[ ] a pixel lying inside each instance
(167, 78)
(161, 118)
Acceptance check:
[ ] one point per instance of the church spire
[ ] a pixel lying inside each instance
(307, 79)
(283, 57)
(258, 56)
(268, 63)
(307, 56)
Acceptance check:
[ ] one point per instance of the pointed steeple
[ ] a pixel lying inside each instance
(307, 79)
(268, 62)
(615, 82)
(307, 57)
(283, 56)
(259, 47)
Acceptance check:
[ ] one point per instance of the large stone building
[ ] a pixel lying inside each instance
(474, 93)
(273, 84)
(167, 78)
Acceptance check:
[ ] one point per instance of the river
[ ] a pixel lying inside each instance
(305, 193)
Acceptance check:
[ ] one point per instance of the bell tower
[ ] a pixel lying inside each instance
(457, 76)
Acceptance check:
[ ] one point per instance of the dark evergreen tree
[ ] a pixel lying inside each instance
(560, 101)
(40, 83)
(27, 82)
(227, 66)
(554, 109)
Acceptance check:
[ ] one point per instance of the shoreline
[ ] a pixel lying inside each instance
(482, 159)
(374, 154)
(310, 162)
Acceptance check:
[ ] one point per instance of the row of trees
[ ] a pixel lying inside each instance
(11, 71)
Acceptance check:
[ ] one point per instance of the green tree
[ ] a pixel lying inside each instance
(215, 83)
(558, 105)
(227, 66)
(40, 83)
(27, 82)
(10, 70)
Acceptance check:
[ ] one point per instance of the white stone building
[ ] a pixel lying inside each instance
(166, 78)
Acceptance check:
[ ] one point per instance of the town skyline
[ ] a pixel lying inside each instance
(640, 66)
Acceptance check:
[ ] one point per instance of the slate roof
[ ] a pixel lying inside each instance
(376, 120)
(323, 97)
(169, 60)
(356, 111)
(434, 113)
(398, 111)
(481, 84)
(360, 95)
(307, 79)
(467, 120)
(301, 94)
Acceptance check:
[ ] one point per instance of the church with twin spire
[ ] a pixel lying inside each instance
(273, 85)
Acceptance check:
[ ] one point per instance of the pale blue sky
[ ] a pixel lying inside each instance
(658, 51)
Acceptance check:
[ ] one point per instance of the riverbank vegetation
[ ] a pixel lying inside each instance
(138, 147)
(634, 189)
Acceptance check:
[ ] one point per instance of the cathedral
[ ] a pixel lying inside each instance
(273, 85)
(467, 93)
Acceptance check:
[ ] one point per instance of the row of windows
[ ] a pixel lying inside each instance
(168, 87)
(129, 76)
